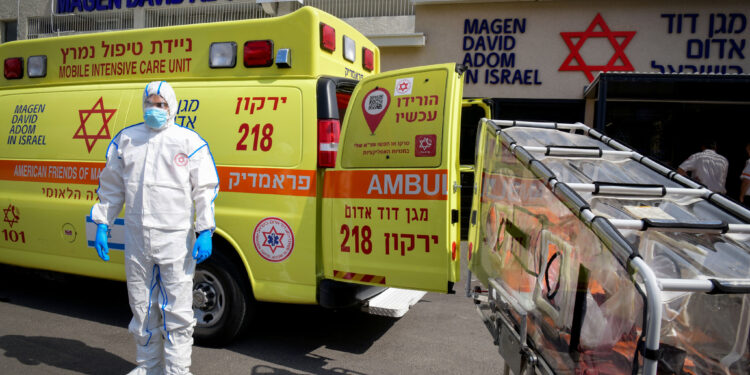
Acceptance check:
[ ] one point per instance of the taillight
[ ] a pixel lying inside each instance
(471, 249)
(329, 132)
(258, 53)
(368, 59)
(453, 251)
(14, 68)
(327, 37)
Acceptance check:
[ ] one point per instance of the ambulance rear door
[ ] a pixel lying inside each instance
(391, 204)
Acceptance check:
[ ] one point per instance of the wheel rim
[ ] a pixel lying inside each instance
(209, 299)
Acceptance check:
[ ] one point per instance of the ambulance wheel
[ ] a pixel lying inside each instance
(221, 304)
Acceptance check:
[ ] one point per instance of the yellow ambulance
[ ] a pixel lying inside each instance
(338, 183)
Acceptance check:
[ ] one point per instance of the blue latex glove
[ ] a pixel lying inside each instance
(101, 242)
(202, 247)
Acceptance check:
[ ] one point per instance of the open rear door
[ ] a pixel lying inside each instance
(391, 204)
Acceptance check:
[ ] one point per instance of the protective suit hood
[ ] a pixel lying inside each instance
(165, 90)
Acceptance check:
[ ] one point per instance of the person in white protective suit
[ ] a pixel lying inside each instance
(166, 176)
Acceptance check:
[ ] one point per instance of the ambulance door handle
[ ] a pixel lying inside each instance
(456, 186)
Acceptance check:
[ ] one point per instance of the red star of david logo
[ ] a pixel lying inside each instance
(103, 133)
(11, 215)
(575, 47)
(273, 239)
(403, 86)
(425, 143)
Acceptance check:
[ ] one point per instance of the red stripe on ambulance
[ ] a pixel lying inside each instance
(416, 184)
(361, 277)
(232, 179)
(51, 171)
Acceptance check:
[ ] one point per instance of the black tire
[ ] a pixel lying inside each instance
(222, 303)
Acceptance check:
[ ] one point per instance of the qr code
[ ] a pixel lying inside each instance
(376, 102)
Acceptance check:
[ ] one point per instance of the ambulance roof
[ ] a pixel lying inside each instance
(182, 52)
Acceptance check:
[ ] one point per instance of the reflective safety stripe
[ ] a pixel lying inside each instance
(334, 146)
(51, 171)
(365, 278)
(295, 182)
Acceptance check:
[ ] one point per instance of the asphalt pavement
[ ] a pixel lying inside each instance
(61, 324)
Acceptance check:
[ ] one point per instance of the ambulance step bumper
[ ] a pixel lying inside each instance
(393, 302)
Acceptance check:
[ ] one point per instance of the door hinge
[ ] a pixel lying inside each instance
(454, 216)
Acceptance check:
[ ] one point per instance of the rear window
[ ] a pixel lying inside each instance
(342, 101)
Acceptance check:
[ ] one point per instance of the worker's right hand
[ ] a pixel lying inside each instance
(101, 242)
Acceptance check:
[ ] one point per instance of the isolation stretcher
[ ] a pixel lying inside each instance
(595, 259)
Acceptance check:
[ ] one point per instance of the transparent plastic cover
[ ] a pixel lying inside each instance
(585, 310)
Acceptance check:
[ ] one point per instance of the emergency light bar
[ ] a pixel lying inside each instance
(14, 68)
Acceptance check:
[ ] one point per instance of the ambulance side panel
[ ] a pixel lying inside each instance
(266, 208)
(49, 167)
(263, 138)
(390, 212)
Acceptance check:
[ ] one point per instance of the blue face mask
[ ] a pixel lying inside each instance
(155, 118)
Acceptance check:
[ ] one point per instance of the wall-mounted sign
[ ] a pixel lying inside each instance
(553, 50)
(70, 6)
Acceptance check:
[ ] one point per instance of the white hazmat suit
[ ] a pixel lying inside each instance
(165, 177)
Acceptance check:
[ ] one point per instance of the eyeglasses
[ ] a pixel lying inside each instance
(162, 105)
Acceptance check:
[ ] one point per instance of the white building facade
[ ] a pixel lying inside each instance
(684, 63)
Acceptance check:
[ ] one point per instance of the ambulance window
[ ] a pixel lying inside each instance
(344, 90)
(342, 100)
(333, 97)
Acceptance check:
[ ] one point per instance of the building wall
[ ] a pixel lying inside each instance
(550, 49)
(535, 62)
(11, 10)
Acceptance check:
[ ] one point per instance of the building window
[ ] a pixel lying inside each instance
(10, 31)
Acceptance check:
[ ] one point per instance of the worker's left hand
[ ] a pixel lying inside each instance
(202, 247)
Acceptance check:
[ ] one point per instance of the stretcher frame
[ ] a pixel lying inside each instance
(512, 338)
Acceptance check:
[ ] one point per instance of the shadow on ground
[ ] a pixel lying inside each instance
(281, 334)
(64, 354)
(288, 335)
(64, 294)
